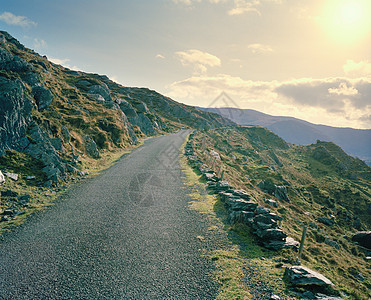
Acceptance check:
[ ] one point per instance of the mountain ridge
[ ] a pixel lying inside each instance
(356, 142)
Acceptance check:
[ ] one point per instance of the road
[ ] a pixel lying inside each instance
(125, 234)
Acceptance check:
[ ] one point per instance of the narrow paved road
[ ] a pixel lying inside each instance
(125, 234)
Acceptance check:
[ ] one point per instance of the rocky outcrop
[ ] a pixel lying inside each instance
(15, 115)
(42, 96)
(279, 191)
(303, 276)
(91, 147)
(101, 90)
(2, 178)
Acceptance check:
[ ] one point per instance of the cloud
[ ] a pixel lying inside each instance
(160, 56)
(260, 48)
(12, 19)
(64, 63)
(198, 59)
(352, 68)
(331, 101)
(244, 6)
(39, 44)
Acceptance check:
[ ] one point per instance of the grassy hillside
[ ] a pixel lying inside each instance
(329, 192)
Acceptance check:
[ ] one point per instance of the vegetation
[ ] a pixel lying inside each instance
(322, 181)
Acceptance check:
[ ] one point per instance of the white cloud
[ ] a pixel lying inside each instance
(12, 19)
(160, 56)
(352, 68)
(199, 60)
(39, 44)
(244, 6)
(332, 101)
(64, 63)
(260, 48)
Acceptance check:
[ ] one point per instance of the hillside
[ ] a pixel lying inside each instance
(318, 186)
(356, 142)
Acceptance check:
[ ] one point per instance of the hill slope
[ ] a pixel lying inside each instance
(356, 142)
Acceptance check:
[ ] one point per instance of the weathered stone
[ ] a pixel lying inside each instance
(42, 96)
(96, 97)
(141, 107)
(101, 90)
(267, 186)
(9, 193)
(2, 178)
(363, 238)
(271, 203)
(30, 177)
(326, 221)
(271, 234)
(332, 243)
(57, 144)
(302, 276)
(241, 193)
(12, 176)
(91, 147)
(260, 210)
(8, 212)
(240, 204)
(281, 193)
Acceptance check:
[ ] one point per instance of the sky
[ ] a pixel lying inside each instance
(306, 59)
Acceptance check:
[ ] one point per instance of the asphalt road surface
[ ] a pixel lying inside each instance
(125, 234)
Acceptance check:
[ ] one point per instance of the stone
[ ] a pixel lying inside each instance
(2, 178)
(326, 221)
(267, 186)
(260, 210)
(302, 276)
(271, 234)
(91, 147)
(42, 96)
(9, 193)
(240, 204)
(30, 177)
(320, 296)
(274, 297)
(332, 243)
(271, 202)
(96, 97)
(241, 193)
(281, 193)
(363, 238)
(4, 219)
(12, 176)
(141, 107)
(8, 212)
(101, 90)
(57, 144)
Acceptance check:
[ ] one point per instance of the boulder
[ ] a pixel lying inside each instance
(42, 96)
(326, 221)
(2, 178)
(96, 97)
(275, 234)
(141, 107)
(267, 186)
(363, 238)
(91, 147)
(101, 90)
(12, 176)
(303, 276)
(260, 210)
(8, 62)
(271, 202)
(281, 193)
(241, 194)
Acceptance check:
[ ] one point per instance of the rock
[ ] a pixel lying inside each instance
(260, 210)
(96, 97)
(326, 221)
(8, 62)
(101, 90)
(267, 186)
(281, 193)
(91, 147)
(42, 96)
(12, 176)
(241, 194)
(141, 107)
(332, 243)
(57, 144)
(274, 297)
(8, 212)
(4, 219)
(303, 276)
(320, 296)
(363, 238)
(240, 204)
(66, 134)
(15, 115)
(2, 178)
(30, 177)
(244, 217)
(271, 202)
(274, 234)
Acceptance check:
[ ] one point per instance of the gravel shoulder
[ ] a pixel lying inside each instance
(127, 233)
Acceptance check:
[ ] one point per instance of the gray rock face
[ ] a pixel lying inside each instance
(12, 176)
(363, 238)
(273, 234)
(144, 124)
(91, 147)
(42, 96)
(141, 107)
(302, 276)
(101, 90)
(281, 193)
(240, 204)
(8, 62)
(15, 115)
(326, 221)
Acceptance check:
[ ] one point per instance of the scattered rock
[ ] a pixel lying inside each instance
(332, 243)
(274, 297)
(271, 202)
(303, 276)
(42, 96)
(4, 219)
(281, 193)
(326, 221)
(30, 177)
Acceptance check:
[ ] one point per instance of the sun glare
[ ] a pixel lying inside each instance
(347, 20)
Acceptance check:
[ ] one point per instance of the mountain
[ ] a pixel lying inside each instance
(61, 118)
(356, 142)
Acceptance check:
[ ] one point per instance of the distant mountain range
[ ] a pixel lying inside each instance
(356, 142)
